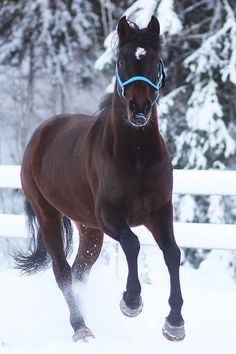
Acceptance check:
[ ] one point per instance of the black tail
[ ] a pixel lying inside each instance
(37, 258)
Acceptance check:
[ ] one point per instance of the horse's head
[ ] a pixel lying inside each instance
(139, 69)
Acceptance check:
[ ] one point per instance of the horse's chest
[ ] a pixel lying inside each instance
(140, 192)
(143, 200)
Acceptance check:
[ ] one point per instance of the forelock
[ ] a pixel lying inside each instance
(141, 38)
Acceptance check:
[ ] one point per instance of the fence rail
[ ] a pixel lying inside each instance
(195, 235)
(196, 182)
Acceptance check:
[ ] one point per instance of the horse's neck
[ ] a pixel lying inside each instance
(130, 143)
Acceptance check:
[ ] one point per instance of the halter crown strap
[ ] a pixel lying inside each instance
(157, 86)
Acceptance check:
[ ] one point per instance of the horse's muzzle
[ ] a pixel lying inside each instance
(139, 113)
(138, 120)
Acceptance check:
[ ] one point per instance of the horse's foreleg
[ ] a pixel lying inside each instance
(161, 226)
(51, 233)
(114, 225)
(131, 304)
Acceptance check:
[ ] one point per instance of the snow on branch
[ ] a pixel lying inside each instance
(108, 55)
(170, 22)
(216, 52)
(204, 114)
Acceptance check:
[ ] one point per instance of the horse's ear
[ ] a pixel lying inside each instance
(123, 27)
(154, 26)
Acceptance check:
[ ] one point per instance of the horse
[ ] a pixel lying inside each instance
(107, 173)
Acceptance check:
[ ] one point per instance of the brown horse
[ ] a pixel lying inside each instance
(106, 173)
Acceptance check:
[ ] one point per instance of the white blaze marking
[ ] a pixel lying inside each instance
(140, 52)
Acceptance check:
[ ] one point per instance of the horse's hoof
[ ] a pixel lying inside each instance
(131, 312)
(83, 335)
(173, 333)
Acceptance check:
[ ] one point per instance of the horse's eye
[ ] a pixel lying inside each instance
(120, 63)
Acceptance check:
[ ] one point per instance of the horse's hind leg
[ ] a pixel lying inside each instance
(50, 226)
(90, 246)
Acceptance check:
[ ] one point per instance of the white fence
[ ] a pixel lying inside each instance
(209, 236)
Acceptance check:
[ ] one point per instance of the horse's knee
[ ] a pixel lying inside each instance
(172, 256)
(130, 245)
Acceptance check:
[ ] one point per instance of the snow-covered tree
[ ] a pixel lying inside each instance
(47, 50)
(206, 137)
(54, 35)
(210, 66)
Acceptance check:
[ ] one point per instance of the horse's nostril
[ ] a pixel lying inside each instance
(148, 107)
(132, 105)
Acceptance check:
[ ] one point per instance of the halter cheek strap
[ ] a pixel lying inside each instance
(121, 85)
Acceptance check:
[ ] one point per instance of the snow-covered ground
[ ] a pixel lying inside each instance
(34, 317)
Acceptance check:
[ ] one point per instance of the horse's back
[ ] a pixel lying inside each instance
(56, 135)
(63, 125)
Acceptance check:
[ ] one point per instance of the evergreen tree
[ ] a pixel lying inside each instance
(205, 138)
(47, 50)
(56, 36)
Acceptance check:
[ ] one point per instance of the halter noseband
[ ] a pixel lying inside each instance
(121, 84)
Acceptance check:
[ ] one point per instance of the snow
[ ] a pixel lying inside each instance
(34, 316)
(141, 12)
(199, 182)
(107, 57)
(10, 176)
(229, 70)
(186, 207)
(204, 114)
(215, 211)
(203, 106)
(170, 22)
(206, 236)
(211, 54)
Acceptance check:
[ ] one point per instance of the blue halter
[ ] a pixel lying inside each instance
(121, 85)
